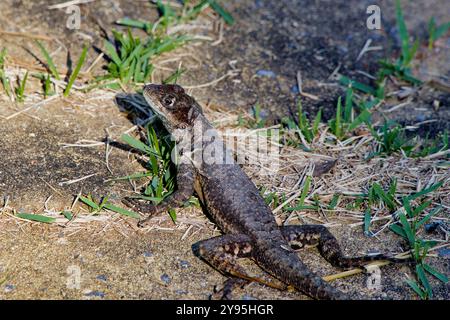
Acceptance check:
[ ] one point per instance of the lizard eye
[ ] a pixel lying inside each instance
(169, 101)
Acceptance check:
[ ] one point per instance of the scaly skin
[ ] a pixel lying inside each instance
(234, 203)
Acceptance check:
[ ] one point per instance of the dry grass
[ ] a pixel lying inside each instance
(352, 175)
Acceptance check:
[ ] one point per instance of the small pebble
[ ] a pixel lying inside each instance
(436, 104)
(343, 49)
(181, 292)
(102, 277)
(95, 293)
(431, 227)
(184, 264)
(264, 114)
(165, 278)
(259, 3)
(444, 252)
(420, 117)
(9, 288)
(266, 73)
(148, 254)
(247, 297)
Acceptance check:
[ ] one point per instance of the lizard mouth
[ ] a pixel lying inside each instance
(151, 94)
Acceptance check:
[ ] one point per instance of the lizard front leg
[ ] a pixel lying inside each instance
(185, 185)
(299, 236)
(222, 253)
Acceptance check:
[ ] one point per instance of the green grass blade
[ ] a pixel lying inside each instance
(21, 89)
(173, 215)
(153, 138)
(121, 211)
(431, 32)
(317, 121)
(428, 217)
(420, 208)
(226, 16)
(334, 201)
(380, 192)
(407, 229)
(302, 198)
(367, 219)
(36, 217)
(363, 117)
(127, 22)
(441, 30)
(398, 230)
(337, 122)
(392, 188)
(137, 144)
(435, 273)
(407, 207)
(134, 54)
(51, 66)
(5, 83)
(357, 85)
(112, 53)
(23, 83)
(173, 78)
(426, 191)
(423, 279)
(403, 32)
(305, 190)
(75, 72)
(68, 215)
(90, 203)
(416, 288)
(348, 104)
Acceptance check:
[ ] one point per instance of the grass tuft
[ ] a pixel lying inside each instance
(20, 89)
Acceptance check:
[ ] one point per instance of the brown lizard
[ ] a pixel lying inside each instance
(235, 204)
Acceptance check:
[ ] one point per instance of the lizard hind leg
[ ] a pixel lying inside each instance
(299, 236)
(222, 253)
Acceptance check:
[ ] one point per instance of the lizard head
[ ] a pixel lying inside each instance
(172, 104)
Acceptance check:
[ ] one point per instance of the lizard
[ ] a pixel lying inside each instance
(233, 201)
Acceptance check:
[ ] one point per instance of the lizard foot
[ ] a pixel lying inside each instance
(145, 209)
(300, 236)
(226, 292)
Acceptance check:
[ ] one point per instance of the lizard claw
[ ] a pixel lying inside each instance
(220, 294)
(226, 292)
(142, 223)
(146, 209)
(130, 202)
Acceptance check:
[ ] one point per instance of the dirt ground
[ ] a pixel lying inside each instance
(269, 43)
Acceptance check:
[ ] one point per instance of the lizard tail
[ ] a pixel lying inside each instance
(355, 262)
